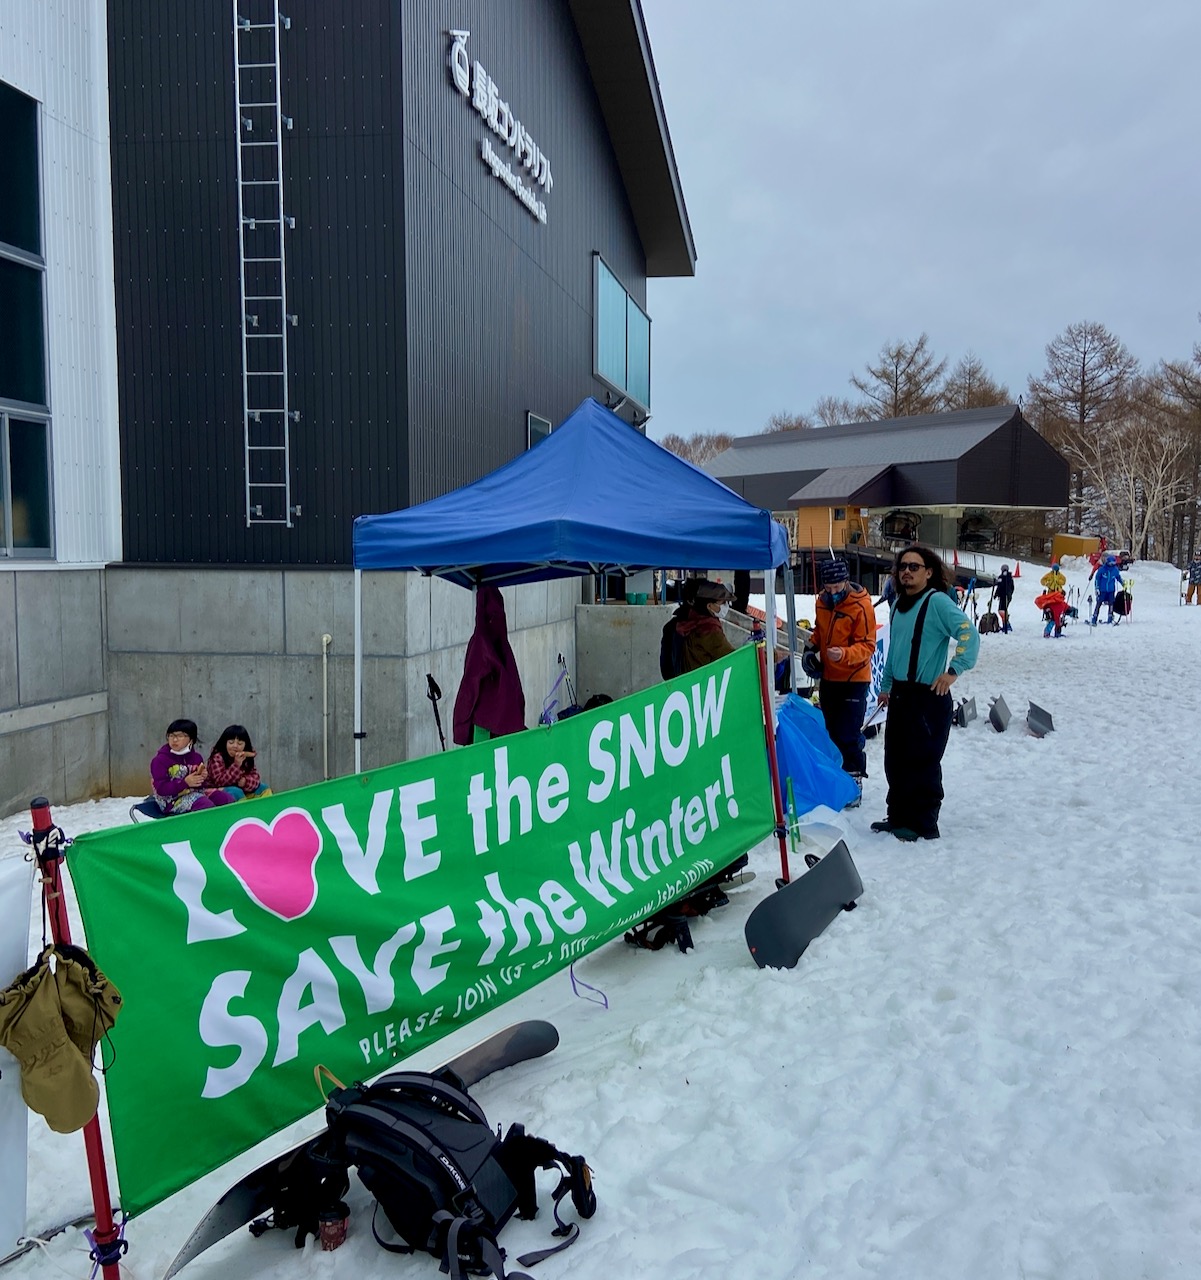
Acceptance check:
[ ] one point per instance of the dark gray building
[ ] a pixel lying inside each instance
(271, 271)
(930, 476)
(357, 247)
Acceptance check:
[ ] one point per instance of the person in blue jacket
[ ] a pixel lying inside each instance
(1108, 578)
(916, 689)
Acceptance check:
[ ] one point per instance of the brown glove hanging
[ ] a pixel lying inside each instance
(89, 1002)
(56, 1079)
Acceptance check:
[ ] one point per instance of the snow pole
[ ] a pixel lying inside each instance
(769, 736)
(108, 1242)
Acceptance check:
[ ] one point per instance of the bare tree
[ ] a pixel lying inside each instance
(905, 380)
(784, 421)
(1086, 384)
(969, 386)
(700, 447)
(1135, 461)
(832, 411)
(1181, 382)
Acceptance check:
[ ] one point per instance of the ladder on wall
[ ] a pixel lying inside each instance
(262, 228)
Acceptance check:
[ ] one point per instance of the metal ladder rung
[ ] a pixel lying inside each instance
(271, 423)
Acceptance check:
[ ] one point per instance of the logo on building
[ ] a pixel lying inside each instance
(528, 167)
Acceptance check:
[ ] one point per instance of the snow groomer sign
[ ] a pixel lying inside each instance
(353, 922)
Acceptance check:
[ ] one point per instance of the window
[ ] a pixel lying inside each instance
(536, 429)
(840, 513)
(622, 339)
(25, 509)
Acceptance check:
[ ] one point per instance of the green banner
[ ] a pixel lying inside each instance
(353, 922)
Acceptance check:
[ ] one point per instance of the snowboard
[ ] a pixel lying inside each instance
(254, 1195)
(783, 925)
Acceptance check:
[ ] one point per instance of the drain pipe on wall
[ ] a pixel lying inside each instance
(326, 641)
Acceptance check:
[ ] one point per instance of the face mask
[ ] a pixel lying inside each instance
(836, 597)
(723, 610)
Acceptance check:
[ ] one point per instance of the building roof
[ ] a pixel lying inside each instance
(972, 457)
(932, 437)
(618, 52)
(837, 485)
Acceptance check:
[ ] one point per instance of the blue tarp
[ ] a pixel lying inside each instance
(805, 754)
(596, 496)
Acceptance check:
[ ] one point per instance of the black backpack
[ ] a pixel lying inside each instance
(671, 650)
(444, 1181)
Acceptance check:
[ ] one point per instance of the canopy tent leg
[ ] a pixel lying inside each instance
(358, 671)
(790, 616)
(769, 608)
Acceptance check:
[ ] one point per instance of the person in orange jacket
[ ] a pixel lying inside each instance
(843, 641)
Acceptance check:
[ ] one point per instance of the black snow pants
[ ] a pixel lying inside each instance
(915, 738)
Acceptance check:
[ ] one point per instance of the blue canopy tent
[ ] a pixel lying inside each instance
(596, 496)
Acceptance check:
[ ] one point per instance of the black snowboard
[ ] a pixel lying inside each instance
(783, 925)
(254, 1195)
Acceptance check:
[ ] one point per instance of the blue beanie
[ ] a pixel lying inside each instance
(834, 571)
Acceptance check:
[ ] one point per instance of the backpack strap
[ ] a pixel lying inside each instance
(492, 1255)
(445, 1087)
(916, 643)
(520, 1155)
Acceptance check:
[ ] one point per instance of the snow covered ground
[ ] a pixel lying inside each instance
(989, 1070)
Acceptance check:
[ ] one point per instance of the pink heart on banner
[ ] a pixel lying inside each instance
(275, 863)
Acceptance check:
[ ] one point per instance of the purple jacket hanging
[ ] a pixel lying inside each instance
(490, 693)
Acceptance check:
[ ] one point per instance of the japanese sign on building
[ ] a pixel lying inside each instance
(528, 167)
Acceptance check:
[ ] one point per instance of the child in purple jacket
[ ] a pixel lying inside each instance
(178, 774)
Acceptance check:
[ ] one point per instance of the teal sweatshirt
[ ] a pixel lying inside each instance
(945, 621)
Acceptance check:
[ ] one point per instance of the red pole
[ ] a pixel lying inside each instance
(769, 734)
(47, 844)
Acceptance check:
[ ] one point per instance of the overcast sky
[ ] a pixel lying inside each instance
(861, 171)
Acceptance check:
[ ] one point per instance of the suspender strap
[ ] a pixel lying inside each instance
(918, 627)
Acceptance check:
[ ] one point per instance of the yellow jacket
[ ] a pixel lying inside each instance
(1053, 580)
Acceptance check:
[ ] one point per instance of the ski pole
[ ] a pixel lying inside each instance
(433, 693)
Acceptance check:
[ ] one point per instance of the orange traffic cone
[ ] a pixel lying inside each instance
(1017, 570)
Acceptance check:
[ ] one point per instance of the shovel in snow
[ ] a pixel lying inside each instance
(1038, 721)
(965, 712)
(998, 715)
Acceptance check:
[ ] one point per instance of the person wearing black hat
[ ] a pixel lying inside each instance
(844, 641)
(1004, 593)
(704, 639)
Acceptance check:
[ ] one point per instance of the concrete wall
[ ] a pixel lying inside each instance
(245, 645)
(53, 700)
(617, 648)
